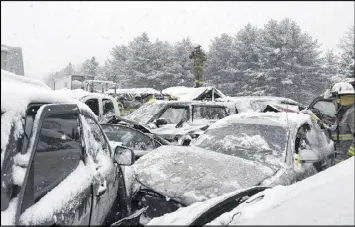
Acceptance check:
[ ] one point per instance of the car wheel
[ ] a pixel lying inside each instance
(120, 208)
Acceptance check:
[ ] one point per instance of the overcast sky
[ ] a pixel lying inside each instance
(52, 34)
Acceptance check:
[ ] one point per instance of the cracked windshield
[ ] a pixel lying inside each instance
(177, 113)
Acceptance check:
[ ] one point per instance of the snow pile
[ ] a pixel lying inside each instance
(326, 198)
(199, 174)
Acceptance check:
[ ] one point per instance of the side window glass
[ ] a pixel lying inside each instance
(58, 152)
(108, 106)
(174, 114)
(209, 112)
(93, 105)
(96, 138)
(324, 107)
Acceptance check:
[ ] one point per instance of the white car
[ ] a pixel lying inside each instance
(102, 105)
(326, 198)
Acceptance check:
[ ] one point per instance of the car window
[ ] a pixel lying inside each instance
(108, 106)
(58, 152)
(93, 105)
(325, 107)
(96, 138)
(175, 114)
(130, 137)
(209, 112)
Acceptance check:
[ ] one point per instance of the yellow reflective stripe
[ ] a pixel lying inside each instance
(317, 119)
(122, 109)
(342, 136)
(351, 151)
(298, 158)
(198, 81)
(315, 116)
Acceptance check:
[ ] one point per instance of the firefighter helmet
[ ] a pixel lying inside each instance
(343, 88)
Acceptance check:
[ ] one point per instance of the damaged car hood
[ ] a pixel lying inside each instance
(192, 174)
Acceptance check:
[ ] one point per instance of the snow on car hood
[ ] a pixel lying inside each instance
(192, 174)
(326, 198)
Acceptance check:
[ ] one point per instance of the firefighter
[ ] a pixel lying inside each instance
(150, 98)
(344, 136)
(119, 100)
(199, 58)
(136, 103)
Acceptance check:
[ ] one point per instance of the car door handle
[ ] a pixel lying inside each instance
(102, 189)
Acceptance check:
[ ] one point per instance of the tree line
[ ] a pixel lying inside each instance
(279, 59)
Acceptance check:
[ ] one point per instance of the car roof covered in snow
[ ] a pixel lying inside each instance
(259, 103)
(189, 93)
(281, 119)
(17, 92)
(80, 94)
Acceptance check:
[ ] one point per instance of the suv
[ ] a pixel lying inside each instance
(57, 167)
(174, 119)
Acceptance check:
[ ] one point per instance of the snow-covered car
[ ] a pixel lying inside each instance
(182, 93)
(102, 105)
(123, 135)
(326, 198)
(57, 167)
(174, 119)
(237, 152)
(264, 104)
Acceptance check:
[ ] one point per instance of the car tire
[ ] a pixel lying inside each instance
(120, 208)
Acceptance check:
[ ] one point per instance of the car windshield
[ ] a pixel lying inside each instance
(146, 112)
(262, 143)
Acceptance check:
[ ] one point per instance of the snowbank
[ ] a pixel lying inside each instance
(326, 198)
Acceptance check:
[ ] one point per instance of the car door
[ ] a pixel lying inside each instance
(57, 184)
(129, 137)
(303, 141)
(105, 185)
(324, 109)
(321, 143)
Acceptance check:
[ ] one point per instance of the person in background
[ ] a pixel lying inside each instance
(199, 58)
(136, 103)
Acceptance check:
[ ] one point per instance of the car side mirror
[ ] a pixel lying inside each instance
(161, 121)
(308, 156)
(124, 156)
(185, 140)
